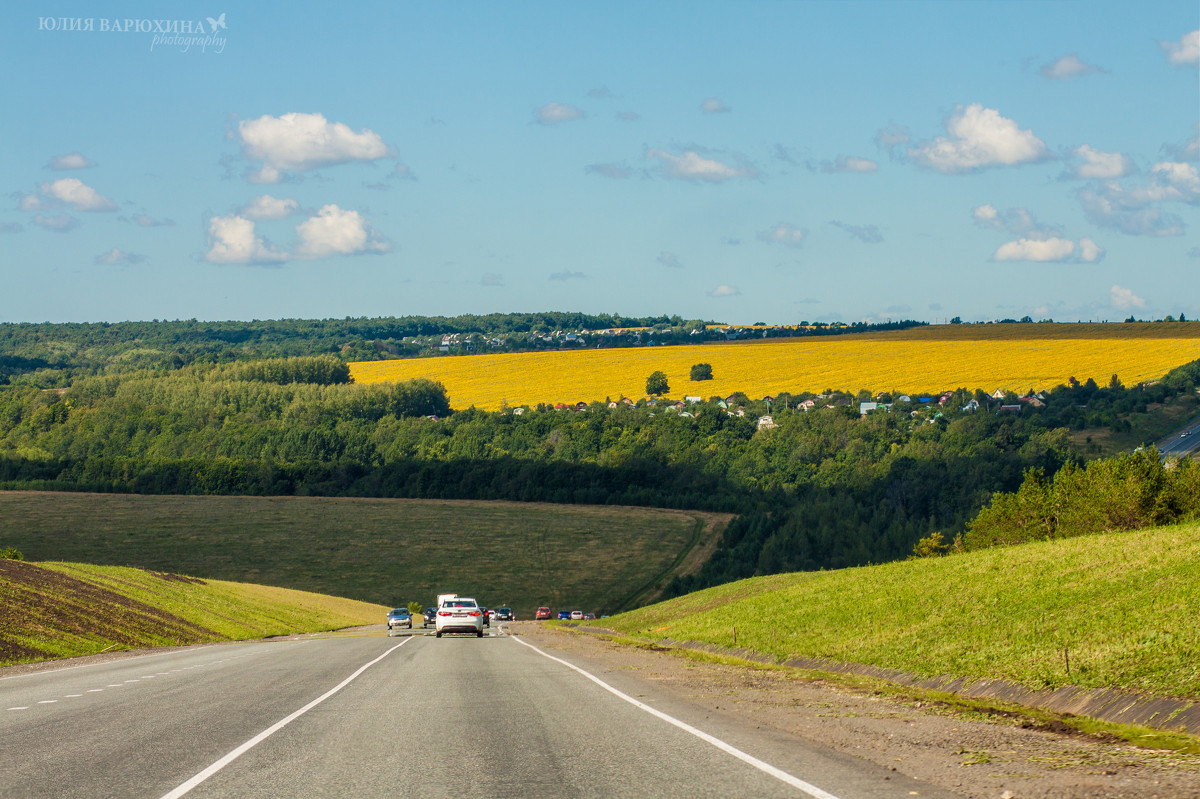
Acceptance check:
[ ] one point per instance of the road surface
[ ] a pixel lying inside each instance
(1183, 442)
(372, 714)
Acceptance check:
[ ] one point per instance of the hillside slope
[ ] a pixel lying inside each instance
(54, 610)
(1102, 611)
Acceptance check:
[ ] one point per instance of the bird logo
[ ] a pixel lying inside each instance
(218, 23)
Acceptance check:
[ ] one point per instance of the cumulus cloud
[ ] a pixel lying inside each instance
(1184, 52)
(690, 165)
(1136, 209)
(867, 234)
(669, 259)
(1124, 299)
(724, 291)
(565, 276)
(1096, 165)
(232, 240)
(714, 106)
(553, 113)
(59, 223)
(1069, 66)
(297, 142)
(610, 171)
(979, 138)
(1054, 249)
(783, 233)
(76, 194)
(1188, 151)
(29, 202)
(1017, 221)
(118, 257)
(265, 206)
(846, 163)
(70, 161)
(335, 231)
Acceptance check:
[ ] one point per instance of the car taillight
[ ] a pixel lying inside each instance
(475, 613)
(443, 613)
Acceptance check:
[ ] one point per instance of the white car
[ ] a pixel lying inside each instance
(459, 615)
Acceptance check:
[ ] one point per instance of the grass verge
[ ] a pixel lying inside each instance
(1106, 611)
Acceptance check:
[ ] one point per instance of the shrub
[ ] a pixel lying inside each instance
(11, 553)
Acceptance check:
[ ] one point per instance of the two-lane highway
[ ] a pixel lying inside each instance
(376, 715)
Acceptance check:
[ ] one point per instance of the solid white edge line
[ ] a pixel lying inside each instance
(765, 767)
(274, 728)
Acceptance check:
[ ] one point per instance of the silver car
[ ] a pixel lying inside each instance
(460, 615)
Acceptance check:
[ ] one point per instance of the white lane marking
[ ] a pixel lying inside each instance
(114, 685)
(269, 731)
(762, 766)
(22, 707)
(103, 663)
(94, 690)
(47, 701)
(72, 696)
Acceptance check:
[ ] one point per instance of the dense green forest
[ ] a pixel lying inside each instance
(824, 489)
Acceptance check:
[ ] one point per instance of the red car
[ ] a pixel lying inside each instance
(541, 614)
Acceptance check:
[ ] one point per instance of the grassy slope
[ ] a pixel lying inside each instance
(68, 609)
(1125, 606)
(382, 550)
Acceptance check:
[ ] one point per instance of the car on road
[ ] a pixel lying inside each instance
(430, 617)
(577, 615)
(399, 617)
(564, 614)
(505, 614)
(487, 619)
(541, 614)
(461, 614)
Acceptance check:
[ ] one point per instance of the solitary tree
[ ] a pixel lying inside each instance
(656, 384)
(702, 371)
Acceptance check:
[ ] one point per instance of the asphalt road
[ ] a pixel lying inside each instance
(373, 715)
(1182, 442)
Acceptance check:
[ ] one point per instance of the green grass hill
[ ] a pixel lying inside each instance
(54, 610)
(1124, 608)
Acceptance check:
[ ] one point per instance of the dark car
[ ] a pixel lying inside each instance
(487, 621)
(430, 617)
(505, 614)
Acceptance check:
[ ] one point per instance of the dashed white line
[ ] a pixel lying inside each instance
(47, 701)
(94, 690)
(72, 696)
(22, 707)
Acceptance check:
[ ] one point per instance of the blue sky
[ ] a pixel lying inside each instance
(744, 162)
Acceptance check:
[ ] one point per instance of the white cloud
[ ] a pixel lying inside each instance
(334, 231)
(299, 142)
(714, 106)
(1017, 221)
(265, 206)
(669, 259)
(59, 223)
(979, 138)
(70, 161)
(117, 256)
(553, 113)
(724, 291)
(1097, 165)
(987, 215)
(78, 195)
(232, 240)
(783, 233)
(1089, 251)
(1035, 250)
(1136, 209)
(690, 165)
(845, 163)
(29, 202)
(1069, 66)
(1124, 299)
(611, 171)
(1185, 51)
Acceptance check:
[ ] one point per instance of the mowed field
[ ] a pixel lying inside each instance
(1014, 357)
(386, 551)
